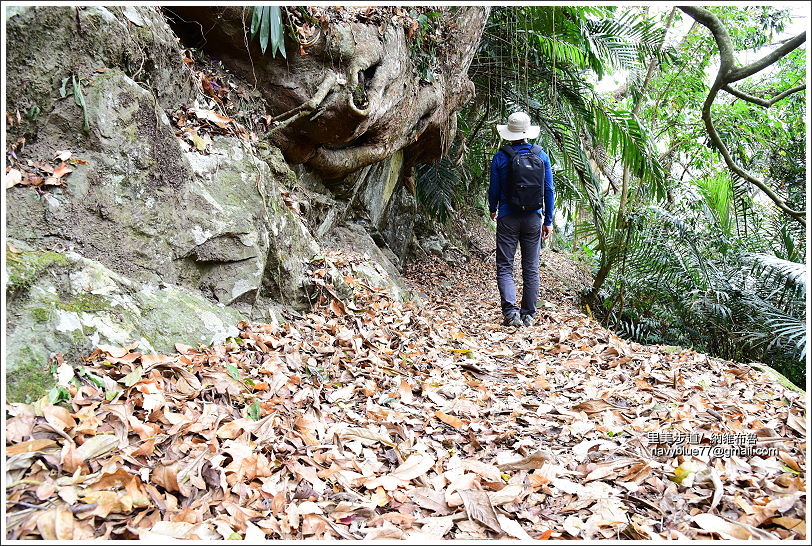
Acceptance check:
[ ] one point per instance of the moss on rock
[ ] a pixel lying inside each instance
(29, 379)
(777, 376)
(23, 268)
(83, 304)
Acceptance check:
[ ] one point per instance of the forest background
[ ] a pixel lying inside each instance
(684, 247)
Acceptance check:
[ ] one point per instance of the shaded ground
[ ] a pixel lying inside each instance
(368, 418)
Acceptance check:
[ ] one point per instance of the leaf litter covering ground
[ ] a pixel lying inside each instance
(367, 418)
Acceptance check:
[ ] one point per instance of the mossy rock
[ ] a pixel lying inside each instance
(777, 376)
(65, 303)
(24, 268)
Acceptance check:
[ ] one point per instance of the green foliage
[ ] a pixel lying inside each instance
(234, 372)
(718, 193)
(79, 98)
(752, 27)
(58, 394)
(713, 265)
(266, 22)
(254, 410)
(425, 41)
(437, 187)
(689, 254)
(542, 70)
(685, 283)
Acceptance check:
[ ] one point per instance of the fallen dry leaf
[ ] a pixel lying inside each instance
(62, 170)
(13, 177)
(455, 422)
(30, 446)
(479, 509)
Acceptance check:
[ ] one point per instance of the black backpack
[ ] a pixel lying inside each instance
(525, 185)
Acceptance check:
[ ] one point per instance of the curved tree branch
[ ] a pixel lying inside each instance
(767, 60)
(729, 73)
(766, 103)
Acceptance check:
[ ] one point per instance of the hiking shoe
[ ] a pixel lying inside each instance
(512, 319)
(528, 320)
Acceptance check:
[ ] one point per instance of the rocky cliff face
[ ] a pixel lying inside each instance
(120, 232)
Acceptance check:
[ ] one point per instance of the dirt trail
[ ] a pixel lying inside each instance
(368, 418)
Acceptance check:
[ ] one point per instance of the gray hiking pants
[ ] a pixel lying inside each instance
(524, 229)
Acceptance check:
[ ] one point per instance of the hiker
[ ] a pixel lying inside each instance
(521, 189)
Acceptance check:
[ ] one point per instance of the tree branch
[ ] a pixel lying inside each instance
(759, 65)
(728, 73)
(727, 61)
(727, 67)
(766, 103)
(800, 216)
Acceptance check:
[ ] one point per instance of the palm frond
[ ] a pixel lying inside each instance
(435, 188)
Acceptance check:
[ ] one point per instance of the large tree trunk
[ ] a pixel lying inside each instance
(355, 97)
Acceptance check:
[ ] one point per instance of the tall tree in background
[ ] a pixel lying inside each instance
(714, 266)
(728, 74)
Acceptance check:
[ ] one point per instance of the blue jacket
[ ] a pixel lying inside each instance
(499, 174)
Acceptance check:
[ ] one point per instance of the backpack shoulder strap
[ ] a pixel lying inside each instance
(508, 149)
(535, 149)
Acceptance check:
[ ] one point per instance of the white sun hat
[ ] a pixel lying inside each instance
(518, 127)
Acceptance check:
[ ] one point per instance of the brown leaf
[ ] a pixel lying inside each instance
(88, 421)
(506, 495)
(488, 471)
(62, 170)
(46, 524)
(59, 418)
(793, 524)
(166, 476)
(365, 434)
(70, 458)
(52, 181)
(145, 431)
(146, 449)
(513, 528)
(637, 472)
(429, 499)
(384, 533)
(19, 427)
(449, 419)
(96, 446)
(797, 423)
(164, 530)
(593, 406)
(337, 307)
(414, 466)
(209, 89)
(30, 446)
(602, 471)
(531, 462)
(479, 509)
(214, 117)
(731, 529)
(789, 461)
(153, 360)
(45, 490)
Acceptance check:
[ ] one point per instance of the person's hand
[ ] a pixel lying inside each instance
(493, 216)
(546, 231)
